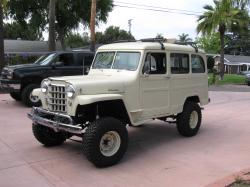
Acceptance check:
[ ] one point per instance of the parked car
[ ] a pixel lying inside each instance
(128, 83)
(244, 72)
(20, 80)
(248, 79)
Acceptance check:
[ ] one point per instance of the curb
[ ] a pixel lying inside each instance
(227, 181)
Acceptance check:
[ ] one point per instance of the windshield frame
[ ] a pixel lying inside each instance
(114, 58)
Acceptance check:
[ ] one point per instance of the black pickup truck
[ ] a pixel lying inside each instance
(20, 80)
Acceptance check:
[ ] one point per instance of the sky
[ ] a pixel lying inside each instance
(147, 24)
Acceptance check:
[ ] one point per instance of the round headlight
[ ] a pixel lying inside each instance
(70, 91)
(45, 86)
(10, 74)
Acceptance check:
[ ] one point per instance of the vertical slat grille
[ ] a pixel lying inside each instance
(57, 98)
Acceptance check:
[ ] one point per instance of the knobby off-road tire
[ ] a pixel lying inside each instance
(16, 96)
(105, 142)
(26, 96)
(189, 121)
(47, 136)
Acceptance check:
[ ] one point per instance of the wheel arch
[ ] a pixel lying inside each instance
(109, 108)
(30, 80)
(194, 99)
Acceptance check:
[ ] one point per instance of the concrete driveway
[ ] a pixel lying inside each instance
(156, 156)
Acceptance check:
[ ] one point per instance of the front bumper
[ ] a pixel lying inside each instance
(56, 121)
(8, 85)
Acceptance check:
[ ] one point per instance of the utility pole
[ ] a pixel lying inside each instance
(129, 25)
(92, 25)
(52, 28)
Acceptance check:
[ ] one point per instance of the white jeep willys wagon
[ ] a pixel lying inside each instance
(128, 83)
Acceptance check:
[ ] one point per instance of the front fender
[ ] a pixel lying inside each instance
(88, 99)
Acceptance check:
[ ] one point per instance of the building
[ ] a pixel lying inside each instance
(234, 64)
(27, 46)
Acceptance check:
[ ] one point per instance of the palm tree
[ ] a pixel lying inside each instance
(92, 25)
(184, 38)
(242, 4)
(220, 17)
(52, 32)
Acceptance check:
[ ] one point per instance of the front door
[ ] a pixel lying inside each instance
(154, 85)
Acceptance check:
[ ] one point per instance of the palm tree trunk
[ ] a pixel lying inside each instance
(222, 44)
(52, 32)
(2, 63)
(62, 40)
(92, 25)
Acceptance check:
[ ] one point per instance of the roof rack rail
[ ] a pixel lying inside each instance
(192, 44)
(159, 40)
(123, 41)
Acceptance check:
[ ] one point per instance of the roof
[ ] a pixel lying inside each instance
(147, 45)
(236, 59)
(22, 46)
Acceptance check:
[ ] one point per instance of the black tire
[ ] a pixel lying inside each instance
(248, 83)
(92, 140)
(47, 136)
(16, 96)
(26, 96)
(183, 119)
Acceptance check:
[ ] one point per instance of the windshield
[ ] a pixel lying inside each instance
(119, 60)
(45, 59)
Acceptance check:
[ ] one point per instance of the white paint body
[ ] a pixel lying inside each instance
(144, 96)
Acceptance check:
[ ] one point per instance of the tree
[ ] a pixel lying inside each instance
(15, 30)
(92, 25)
(184, 38)
(69, 14)
(2, 61)
(76, 40)
(159, 36)
(209, 43)
(220, 17)
(113, 34)
(52, 31)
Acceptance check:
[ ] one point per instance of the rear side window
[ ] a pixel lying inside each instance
(198, 65)
(79, 59)
(85, 59)
(88, 60)
(155, 63)
(179, 63)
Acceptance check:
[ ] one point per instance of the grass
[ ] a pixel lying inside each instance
(240, 183)
(228, 79)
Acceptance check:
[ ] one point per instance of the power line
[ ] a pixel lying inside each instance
(156, 7)
(157, 10)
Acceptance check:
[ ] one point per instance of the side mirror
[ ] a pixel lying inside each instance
(57, 64)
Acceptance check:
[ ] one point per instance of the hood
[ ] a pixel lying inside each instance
(96, 84)
(22, 66)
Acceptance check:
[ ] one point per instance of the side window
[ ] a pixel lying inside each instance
(66, 59)
(79, 59)
(88, 60)
(198, 65)
(179, 63)
(155, 63)
(84, 58)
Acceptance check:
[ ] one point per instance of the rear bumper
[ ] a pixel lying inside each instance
(10, 85)
(56, 121)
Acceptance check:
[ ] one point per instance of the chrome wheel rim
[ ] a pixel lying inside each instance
(194, 117)
(33, 99)
(110, 143)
